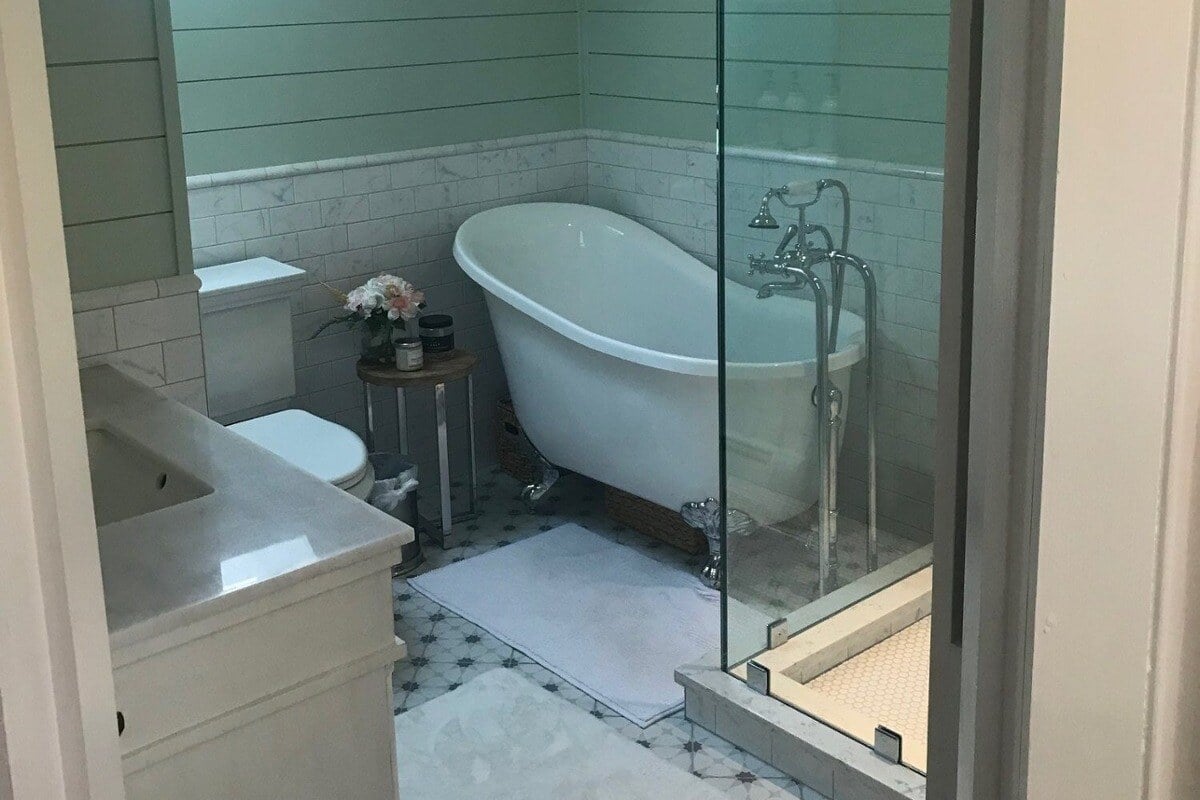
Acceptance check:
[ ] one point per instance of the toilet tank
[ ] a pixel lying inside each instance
(246, 321)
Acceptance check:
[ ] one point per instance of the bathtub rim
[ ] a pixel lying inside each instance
(845, 356)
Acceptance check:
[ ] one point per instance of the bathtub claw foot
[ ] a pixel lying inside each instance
(705, 515)
(534, 492)
(710, 573)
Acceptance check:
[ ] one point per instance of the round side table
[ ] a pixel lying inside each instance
(456, 365)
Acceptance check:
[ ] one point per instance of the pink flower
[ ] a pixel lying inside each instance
(403, 300)
(395, 296)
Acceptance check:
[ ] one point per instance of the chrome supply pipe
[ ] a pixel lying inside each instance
(838, 271)
(794, 264)
(872, 327)
(834, 409)
(826, 532)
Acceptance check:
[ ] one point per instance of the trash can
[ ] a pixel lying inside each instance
(395, 493)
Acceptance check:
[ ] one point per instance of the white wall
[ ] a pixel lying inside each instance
(149, 330)
(347, 220)
(1116, 256)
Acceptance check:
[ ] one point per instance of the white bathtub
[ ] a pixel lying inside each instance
(608, 334)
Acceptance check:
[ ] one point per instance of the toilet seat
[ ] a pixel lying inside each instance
(322, 448)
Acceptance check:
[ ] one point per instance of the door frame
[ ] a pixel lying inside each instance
(59, 712)
(1071, 191)
(1110, 469)
(996, 272)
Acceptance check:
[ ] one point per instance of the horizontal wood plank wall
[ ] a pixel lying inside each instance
(106, 101)
(863, 78)
(271, 82)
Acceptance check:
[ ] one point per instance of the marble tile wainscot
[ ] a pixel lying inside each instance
(669, 185)
(346, 220)
(150, 331)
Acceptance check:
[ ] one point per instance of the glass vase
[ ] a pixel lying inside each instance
(377, 345)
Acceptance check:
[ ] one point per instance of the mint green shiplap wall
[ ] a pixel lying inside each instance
(110, 133)
(649, 69)
(271, 82)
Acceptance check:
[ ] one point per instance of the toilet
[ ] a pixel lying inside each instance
(249, 363)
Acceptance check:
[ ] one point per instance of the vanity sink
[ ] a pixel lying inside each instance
(128, 480)
(248, 602)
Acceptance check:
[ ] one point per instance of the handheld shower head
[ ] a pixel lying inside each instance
(763, 220)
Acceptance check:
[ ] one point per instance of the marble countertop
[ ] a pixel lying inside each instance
(266, 526)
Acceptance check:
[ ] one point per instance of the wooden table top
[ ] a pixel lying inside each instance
(453, 366)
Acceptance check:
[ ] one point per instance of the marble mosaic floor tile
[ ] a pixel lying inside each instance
(446, 651)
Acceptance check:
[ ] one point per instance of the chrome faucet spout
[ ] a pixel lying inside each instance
(769, 289)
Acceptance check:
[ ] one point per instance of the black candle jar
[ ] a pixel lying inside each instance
(437, 334)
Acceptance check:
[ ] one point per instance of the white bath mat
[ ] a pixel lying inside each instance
(606, 618)
(500, 737)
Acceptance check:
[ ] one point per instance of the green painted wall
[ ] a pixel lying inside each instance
(270, 82)
(111, 133)
(649, 68)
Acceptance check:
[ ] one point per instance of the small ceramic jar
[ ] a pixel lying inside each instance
(437, 334)
(410, 355)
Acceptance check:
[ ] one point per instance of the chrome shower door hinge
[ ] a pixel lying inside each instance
(888, 744)
(758, 677)
(777, 633)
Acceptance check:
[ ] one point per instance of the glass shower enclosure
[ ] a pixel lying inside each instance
(832, 120)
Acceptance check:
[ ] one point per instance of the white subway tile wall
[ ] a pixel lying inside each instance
(668, 189)
(895, 224)
(398, 213)
(148, 330)
(343, 226)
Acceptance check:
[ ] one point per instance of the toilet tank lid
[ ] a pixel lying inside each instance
(319, 447)
(250, 281)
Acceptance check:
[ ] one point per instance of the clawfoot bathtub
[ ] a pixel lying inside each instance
(608, 334)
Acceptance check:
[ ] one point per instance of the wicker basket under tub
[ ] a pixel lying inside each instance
(512, 451)
(664, 524)
(653, 520)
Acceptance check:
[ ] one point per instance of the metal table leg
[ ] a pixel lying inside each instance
(474, 472)
(439, 396)
(401, 423)
(370, 412)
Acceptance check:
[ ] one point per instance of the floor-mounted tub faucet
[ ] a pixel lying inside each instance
(796, 263)
(801, 195)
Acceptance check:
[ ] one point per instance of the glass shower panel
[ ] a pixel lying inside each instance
(832, 127)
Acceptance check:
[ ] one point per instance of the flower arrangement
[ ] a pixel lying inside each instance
(379, 307)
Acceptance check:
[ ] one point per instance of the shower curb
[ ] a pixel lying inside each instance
(821, 758)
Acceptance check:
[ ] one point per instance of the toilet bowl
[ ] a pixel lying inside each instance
(246, 322)
(319, 447)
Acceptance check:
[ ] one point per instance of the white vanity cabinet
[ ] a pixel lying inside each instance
(287, 696)
(250, 615)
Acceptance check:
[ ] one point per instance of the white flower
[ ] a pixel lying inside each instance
(364, 300)
(355, 299)
(398, 297)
